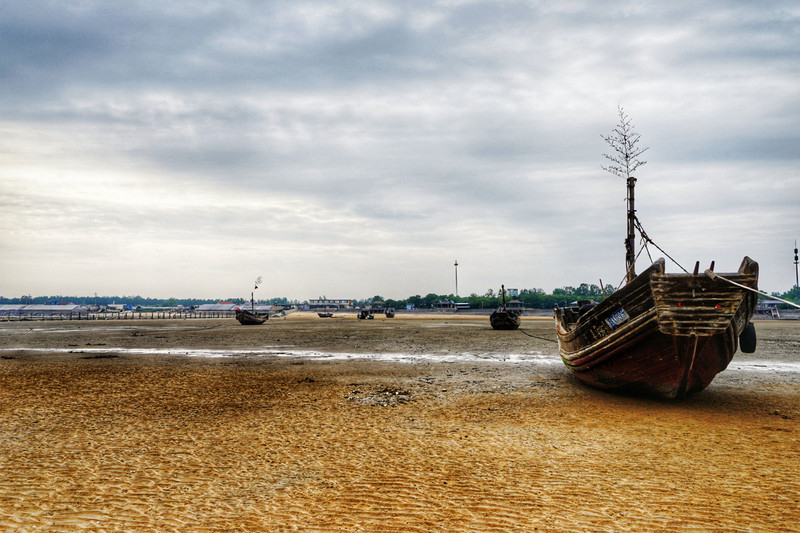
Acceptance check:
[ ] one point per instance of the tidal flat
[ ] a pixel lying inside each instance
(416, 423)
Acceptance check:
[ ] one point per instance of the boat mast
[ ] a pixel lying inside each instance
(624, 161)
(630, 240)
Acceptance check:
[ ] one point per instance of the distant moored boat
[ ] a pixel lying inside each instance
(249, 318)
(503, 317)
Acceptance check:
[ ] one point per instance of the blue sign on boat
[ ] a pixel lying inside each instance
(617, 319)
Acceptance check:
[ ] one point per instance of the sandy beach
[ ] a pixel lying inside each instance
(411, 424)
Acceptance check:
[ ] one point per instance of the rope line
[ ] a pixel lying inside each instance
(621, 283)
(713, 275)
(646, 238)
(536, 337)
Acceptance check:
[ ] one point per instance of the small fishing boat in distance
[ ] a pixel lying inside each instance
(503, 317)
(251, 318)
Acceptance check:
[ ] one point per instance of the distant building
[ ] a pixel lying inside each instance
(768, 307)
(512, 293)
(333, 303)
(11, 309)
(445, 305)
(515, 305)
(43, 310)
(218, 307)
(450, 305)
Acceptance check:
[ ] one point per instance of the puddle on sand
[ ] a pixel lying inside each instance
(280, 351)
(760, 366)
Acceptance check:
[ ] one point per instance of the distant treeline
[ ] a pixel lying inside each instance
(792, 295)
(530, 298)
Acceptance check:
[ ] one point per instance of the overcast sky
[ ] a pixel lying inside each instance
(348, 149)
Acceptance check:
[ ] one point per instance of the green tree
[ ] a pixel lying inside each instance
(793, 294)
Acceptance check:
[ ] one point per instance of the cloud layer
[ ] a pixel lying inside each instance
(359, 148)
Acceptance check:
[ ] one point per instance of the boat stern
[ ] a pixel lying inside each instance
(696, 305)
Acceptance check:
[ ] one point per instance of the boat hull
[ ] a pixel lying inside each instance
(504, 319)
(247, 318)
(666, 335)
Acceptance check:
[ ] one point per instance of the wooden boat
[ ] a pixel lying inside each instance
(504, 318)
(250, 318)
(661, 334)
(389, 312)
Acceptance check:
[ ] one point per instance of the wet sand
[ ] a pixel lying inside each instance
(307, 424)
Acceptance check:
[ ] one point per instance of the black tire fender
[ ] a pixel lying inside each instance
(747, 340)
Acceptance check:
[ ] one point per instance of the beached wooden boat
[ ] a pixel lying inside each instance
(504, 318)
(250, 318)
(662, 334)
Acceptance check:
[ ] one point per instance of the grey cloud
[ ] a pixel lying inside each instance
(418, 127)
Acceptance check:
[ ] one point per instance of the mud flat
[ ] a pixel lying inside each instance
(409, 424)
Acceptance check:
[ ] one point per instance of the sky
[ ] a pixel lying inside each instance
(359, 148)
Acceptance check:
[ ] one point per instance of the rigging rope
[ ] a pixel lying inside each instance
(646, 239)
(713, 275)
(621, 283)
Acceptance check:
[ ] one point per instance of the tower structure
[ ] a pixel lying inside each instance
(456, 267)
